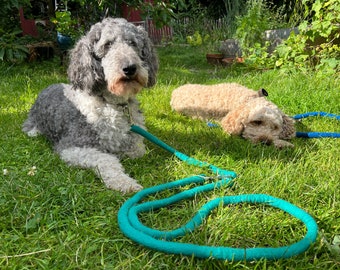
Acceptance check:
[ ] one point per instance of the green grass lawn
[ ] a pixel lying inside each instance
(56, 217)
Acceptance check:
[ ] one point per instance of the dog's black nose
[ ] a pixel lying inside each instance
(130, 70)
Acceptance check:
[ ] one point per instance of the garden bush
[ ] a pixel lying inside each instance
(315, 47)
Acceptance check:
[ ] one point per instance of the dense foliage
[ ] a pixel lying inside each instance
(318, 43)
(11, 48)
(316, 46)
(79, 17)
(8, 14)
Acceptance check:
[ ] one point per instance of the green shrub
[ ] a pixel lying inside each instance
(11, 48)
(315, 46)
(251, 26)
(66, 25)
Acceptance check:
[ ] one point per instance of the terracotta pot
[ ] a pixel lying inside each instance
(232, 60)
(214, 58)
(239, 59)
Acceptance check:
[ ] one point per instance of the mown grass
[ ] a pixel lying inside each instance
(56, 217)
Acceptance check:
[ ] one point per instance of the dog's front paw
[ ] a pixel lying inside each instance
(123, 183)
(137, 151)
(280, 144)
(132, 187)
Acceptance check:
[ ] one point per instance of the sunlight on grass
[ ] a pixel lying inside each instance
(67, 212)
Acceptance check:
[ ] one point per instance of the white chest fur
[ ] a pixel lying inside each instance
(110, 118)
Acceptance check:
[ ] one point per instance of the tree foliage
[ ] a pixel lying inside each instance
(8, 14)
(160, 11)
(83, 13)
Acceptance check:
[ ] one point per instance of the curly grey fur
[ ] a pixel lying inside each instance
(88, 121)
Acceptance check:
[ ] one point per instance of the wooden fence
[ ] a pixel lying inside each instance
(157, 35)
(218, 29)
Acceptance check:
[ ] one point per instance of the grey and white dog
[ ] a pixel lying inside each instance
(88, 121)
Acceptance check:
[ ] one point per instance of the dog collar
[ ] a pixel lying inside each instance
(127, 111)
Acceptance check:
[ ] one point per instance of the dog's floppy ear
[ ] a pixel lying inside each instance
(85, 69)
(233, 122)
(288, 129)
(262, 93)
(149, 57)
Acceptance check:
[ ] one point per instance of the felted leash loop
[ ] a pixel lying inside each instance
(133, 228)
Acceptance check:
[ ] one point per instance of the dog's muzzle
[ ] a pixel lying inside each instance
(124, 71)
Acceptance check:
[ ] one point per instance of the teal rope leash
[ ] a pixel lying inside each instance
(131, 226)
(181, 156)
(317, 134)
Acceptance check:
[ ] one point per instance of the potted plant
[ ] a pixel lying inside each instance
(214, 58)
(214, 55)
(231, 48)
(66, 29)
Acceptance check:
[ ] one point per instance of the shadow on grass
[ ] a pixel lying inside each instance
(193, 136)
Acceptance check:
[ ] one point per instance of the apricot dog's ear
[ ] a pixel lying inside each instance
(233, 123)
(262, 92)
(288, 129)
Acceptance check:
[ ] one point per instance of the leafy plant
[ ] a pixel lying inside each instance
(208, 44)
(315, 46)
(161, 12)
(258, 57)
(196, 18)
(11, 49)
(251, 26)
(8, 8)
(65, 24)
(197, 40)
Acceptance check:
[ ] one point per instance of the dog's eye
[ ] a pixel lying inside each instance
(108, 45)
(256, 123)
(131, 43)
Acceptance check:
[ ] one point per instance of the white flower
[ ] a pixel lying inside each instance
(32, 171)
(5, 172)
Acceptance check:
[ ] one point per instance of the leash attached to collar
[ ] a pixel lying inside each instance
(132, 227)
(317, 134)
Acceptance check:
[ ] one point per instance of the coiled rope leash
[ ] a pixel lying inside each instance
(317, 134)
(132, 227)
